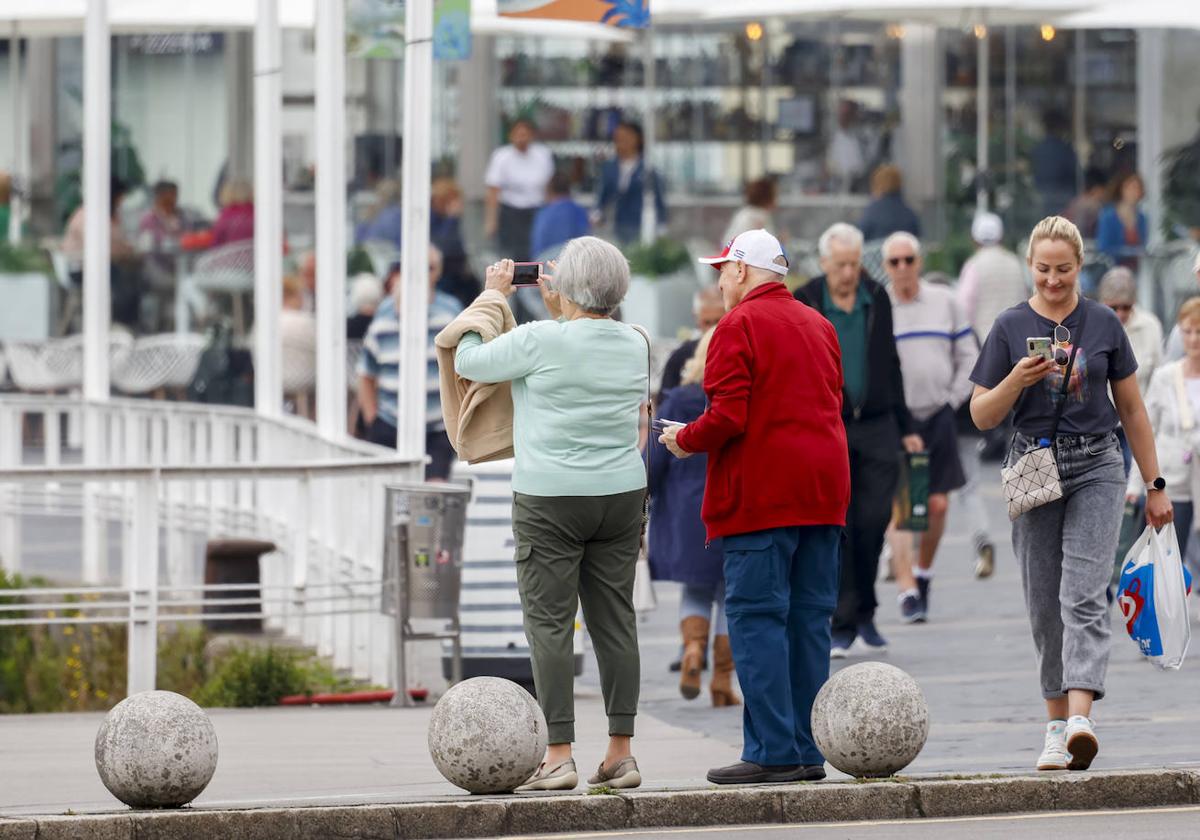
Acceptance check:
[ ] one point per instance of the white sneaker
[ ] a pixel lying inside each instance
(1082, 742)
(1055, 756)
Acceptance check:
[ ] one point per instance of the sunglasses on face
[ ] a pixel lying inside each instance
(1121, 307)
(894, 262)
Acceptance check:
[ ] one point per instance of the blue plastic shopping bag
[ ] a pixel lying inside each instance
(1154, 587)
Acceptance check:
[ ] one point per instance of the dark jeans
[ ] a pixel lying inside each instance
(437, 447)
(780, 590)
(874, 473)
(1184, 513)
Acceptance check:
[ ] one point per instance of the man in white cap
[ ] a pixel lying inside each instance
(993, 279)
(990, 282)
(778, 484)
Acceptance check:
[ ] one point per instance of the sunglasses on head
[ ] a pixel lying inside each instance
(895, 261)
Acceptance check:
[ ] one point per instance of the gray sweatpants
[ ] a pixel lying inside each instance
(1065, 550)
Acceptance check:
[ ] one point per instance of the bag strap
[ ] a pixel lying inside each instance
(1062, 402)
(649, 411)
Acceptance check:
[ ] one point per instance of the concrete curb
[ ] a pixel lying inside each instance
(899, 798)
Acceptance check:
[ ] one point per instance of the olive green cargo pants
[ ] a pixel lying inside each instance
(572, 550)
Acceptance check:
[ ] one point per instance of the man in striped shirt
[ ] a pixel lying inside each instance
(937, 353)
(379, 373)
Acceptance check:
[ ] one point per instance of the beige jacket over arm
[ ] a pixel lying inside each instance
(478, 415)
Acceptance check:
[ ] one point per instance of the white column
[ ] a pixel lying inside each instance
(96, 155)
(331, 218)
(142, 581)
(414, 293)
(1151, 50)
(921, 73)
(983, 106)
(649, 208)
(268, 206)
(16, 171)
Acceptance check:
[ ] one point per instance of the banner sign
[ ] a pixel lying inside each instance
(452, 30)
(627, 13)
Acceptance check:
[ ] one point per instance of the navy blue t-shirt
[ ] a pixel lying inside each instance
(1104, 355)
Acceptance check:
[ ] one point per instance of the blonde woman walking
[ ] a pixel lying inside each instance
(1065, 548)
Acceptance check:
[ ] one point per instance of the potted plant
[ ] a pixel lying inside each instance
(661, 288)
(25, 287)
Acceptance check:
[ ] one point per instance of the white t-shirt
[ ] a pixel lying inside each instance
(521, 176)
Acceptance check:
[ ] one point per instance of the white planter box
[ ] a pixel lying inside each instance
(663, 305)
(25, 313)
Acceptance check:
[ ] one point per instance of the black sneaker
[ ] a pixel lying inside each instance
(840, 646)
(911, 611)
(871, 637)
(923, 584)
(749, 773)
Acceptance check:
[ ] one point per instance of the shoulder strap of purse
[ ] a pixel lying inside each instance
(649, 410)
(1066, 386)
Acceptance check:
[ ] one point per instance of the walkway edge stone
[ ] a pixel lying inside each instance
(899, 798)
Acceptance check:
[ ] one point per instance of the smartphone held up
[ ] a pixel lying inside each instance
(527, 273)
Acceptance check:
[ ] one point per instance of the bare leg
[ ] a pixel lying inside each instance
(939, 504)
(556, 754)
(618, 748)
(901, 543)
(1057, 708)
(1079, 702)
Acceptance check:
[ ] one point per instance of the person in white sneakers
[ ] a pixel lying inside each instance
(1065, 547)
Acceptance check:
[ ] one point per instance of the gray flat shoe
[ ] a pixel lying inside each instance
(559, 777)
(622, 775)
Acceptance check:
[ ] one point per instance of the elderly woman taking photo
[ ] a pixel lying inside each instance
(1065, 547)
(578, 384)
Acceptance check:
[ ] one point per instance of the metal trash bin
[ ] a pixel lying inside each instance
(422, 569)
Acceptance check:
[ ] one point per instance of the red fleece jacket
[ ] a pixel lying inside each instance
(773, 430)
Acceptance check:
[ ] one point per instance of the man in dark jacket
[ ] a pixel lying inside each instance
(777, 488)
(876, 418)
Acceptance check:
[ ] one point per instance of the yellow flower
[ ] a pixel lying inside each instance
(76, 649)
(68, 630)
(74, 694)
(101, 693)
(51, 614)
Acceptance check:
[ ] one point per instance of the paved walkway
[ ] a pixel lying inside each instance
(974, 660)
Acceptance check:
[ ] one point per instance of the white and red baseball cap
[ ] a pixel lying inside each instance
(755, 248)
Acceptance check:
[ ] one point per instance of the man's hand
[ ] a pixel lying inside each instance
(913, 443)
(667, 439)
(500, 277)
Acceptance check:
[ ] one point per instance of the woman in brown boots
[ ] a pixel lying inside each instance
(677, 543)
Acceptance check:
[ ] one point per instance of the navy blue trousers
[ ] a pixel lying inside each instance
(781, 587)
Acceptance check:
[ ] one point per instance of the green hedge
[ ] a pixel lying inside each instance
(81, 667)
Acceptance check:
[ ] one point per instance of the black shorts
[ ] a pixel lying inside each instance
(941, 441)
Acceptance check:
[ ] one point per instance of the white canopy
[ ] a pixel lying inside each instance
(936, 12)
(1143, 14)
(65, 17)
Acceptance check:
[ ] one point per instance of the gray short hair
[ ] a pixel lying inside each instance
(1118, 285)
(840, 232)
(592, 274)
(709, 294)
(901, 236)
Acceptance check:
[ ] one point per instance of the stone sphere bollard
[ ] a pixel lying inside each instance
(156, 749)
(870, 720)
(487, 735)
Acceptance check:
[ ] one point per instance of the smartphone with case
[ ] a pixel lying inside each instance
(526, 273)
(1040, 346)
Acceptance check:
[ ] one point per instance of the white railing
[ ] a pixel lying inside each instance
(174, 476)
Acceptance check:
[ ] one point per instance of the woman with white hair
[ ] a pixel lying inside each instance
(578, 385)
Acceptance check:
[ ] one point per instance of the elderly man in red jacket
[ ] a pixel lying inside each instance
(777, 490)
